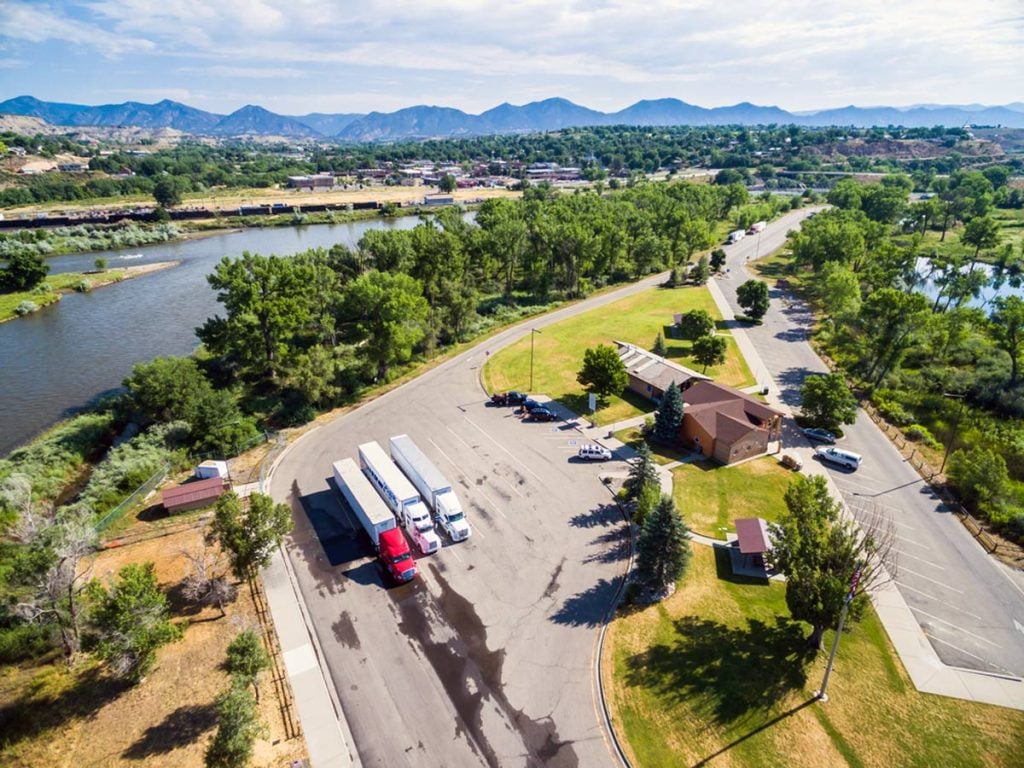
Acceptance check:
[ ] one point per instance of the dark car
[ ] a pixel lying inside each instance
(530, 405)
(514, 398)
(820, 435)
(498, 399)
(541, 414)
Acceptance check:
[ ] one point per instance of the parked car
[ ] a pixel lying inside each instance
(498, 398)
(541, 414)
(529, 405)
(791, 461)
(593, 452)
(846, 459)
(514, 398)
(820, 435)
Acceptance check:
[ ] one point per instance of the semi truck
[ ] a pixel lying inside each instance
(433, 485)
(399, 494)
(735, 236)
(376, 519)
(757, 226)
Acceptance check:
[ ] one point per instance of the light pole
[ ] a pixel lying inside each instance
(533, 332)
(956, 423)
(820, 695)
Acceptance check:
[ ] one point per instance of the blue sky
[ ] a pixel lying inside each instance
(298, 56)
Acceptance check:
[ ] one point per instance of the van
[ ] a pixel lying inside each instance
(839, 457)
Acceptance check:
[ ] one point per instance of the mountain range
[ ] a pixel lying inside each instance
(420, 122)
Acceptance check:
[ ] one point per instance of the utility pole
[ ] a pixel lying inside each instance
(956, 423)
(820, 695)
(533, 332)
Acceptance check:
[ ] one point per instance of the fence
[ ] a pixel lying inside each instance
(278, 673)
(138, 495)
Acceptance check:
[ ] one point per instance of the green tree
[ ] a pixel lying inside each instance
(248, 659)
(131, 621)
(100, 263)
(819, 551)
(717, 260)
(663, 547)
(603, 371)
(702, 271)
(827, 401)
(659, 347)
(650, 493)
(694, 324)
(447, 184)
(710, 350)
(753, 297)
(388, 315)
(167, 192)
(314, 374)
(839, 290)
(980, 232)
(266, 301)
(25, 270)
(1008, 330)
(669, 416)
(238, 727)
(979, 474)
(167, 389)
(249, 536)
(642, 472)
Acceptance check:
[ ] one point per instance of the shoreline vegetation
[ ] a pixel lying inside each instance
(13, 305)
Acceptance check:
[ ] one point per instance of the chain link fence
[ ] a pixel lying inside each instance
(136, 497)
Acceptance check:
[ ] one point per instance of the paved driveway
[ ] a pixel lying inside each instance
(969, 604)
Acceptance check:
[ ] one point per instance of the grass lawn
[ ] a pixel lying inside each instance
(711, 496)
(718, 671)
(558, 352)
(662, 455)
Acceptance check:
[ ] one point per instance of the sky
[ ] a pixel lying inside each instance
(300, 56)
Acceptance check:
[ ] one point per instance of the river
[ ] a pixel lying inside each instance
(63, 356)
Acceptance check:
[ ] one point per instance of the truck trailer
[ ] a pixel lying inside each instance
(376, 519)
(433, 485)
(399, 494)
(735, 236)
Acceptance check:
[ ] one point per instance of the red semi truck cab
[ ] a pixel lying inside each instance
(394, 551)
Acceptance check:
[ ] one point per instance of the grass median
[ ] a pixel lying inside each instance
(558, 350)
(718, 673)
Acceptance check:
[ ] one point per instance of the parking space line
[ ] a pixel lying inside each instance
(511, 485)
(457, 437)
(954, 626)
(911, 541)
(965, 652)
(457, 556)
(919, 559)
(938, 600)
(494, 506)
(506, 450)
(933, 581)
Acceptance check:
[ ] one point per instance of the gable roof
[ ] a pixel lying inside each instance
(653, 369)
(191, 493)
(753, 535)
(708, 393)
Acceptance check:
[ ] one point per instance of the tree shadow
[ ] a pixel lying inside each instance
(602, 515)
(33, 714)
(587, 608)
(182, 727)
(725, 673)
(615, 546)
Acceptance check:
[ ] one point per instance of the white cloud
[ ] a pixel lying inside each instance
(37, 23)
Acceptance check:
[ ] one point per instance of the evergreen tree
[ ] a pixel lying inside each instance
(702, 271)
(249, 537)
(132, 621)
(238, 726)
(248, 659)
(663, 549)
(642, 472)
(659, 347)
(650, 493)
(669, 416)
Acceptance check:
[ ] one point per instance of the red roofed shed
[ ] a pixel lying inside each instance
(753, 535)
(201, 493)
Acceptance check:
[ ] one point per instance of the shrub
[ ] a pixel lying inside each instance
(82, 286)
(25, 308)
(893, 411)
(919, 433)
(23, 642)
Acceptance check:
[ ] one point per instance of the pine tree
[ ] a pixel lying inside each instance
(650, 493)
(659, 346)
(669, 416)
(641, 473)
(663, 549)
(238, 726)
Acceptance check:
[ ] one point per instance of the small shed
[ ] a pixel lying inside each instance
(199, 493)
(211, 468)
(753, 540)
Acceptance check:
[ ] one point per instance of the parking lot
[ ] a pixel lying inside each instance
(486, 658)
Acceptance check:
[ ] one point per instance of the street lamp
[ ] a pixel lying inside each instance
(956, 423)
(533, 332)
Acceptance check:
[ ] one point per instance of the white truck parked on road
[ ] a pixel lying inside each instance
(400, 495)
(432, 484)
(735, 236)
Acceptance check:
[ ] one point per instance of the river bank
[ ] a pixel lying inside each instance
(72, 282)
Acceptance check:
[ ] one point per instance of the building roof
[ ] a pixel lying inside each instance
(708, 392)
(752, 533)
(190, 493)
(653, 369)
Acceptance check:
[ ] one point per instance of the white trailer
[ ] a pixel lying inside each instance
(433, 485)
(372, 513)
(757, 226)
(400, 496)
(735, 236)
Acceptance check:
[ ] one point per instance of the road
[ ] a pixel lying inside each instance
(488, 657)
(970, 605)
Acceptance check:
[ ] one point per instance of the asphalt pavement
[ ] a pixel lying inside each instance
(969, 605)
